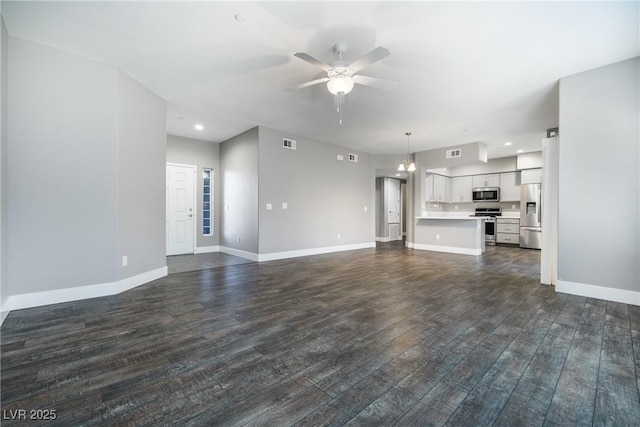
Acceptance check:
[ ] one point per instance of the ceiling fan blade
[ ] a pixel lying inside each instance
(313, 61)
(374, 56)
(311, 83)
(374, 82)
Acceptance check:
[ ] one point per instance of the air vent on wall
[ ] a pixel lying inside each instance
(353, 157)
(289, 143)
(452, 154)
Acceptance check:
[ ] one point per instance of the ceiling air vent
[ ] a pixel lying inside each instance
(452, 154)
(353, 158)
(289, 143)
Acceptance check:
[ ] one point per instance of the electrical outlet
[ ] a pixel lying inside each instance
(285, 205)
(340, 157)
(238, 239)
(269, 206)
(125, 261)
(513, 206)
(366, 209)
(338, 237)
(437, 237)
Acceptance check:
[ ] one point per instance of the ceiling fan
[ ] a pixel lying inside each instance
(341, 76)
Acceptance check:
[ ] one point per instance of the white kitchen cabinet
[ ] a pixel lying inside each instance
(461, 189)
(490, 180)
(437, 188)
(531, 176)
(508, 230)
(510, 187)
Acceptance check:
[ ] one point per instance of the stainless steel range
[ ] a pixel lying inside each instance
(489, 223)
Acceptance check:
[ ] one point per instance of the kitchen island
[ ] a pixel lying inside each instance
(453, 234)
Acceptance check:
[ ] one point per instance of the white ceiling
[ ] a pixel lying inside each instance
(467, 72)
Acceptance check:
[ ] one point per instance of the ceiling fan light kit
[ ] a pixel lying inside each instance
(341, 77)
(340, 85)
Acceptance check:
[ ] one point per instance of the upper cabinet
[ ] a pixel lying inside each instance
(531, 176)
(461, 189)
(510, 187)
(490, 180)
(437, 188)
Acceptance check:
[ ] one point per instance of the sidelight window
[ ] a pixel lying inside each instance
(207, 202)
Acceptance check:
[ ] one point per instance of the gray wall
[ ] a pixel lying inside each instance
(4, 287)
(503, 164)
(436, 158)
(239, 165)
(204, 155)
(325, 197)
(87, 171)
(599, 185)
(141, 176)
(62, 175)
(379, 208)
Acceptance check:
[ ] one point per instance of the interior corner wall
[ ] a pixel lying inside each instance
(239, 194)
(4, 47)
(325, 197)
(85, 181)
(62, 177)
(204, 155)
(141, 177)
(599, 164)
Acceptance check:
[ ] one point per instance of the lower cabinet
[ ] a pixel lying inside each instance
(508, 230)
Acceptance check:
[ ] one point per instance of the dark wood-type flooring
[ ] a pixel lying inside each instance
(184, 263)
(385, 336)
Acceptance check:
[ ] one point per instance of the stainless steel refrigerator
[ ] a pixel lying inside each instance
(530, 220)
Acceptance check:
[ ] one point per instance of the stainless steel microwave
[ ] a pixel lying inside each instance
(486, 194)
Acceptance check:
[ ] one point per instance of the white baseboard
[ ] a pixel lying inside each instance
(314, 251)
(237, 252)
(600, 292)
(387, 239)
(207, 249)
(4, 312)
(140, 279)
(447, 249)
(56, 296)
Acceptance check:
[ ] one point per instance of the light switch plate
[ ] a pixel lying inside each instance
(269, 206)
(284, 205)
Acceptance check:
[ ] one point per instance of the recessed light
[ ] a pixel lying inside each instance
(520, 151)
(508, 143)
(199, 127)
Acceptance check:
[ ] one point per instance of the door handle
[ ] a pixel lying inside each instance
(190, 215)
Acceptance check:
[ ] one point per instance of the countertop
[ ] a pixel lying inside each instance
(456, 217)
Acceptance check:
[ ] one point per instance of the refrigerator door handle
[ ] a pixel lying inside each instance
(539, 207)
(531, 228)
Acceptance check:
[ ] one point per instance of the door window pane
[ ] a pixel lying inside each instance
(207, 204)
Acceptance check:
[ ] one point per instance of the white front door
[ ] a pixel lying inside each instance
(180, 195)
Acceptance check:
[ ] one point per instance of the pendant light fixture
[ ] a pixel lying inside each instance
(408, 165)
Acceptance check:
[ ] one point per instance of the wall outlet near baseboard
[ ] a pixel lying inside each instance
(125, 261)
